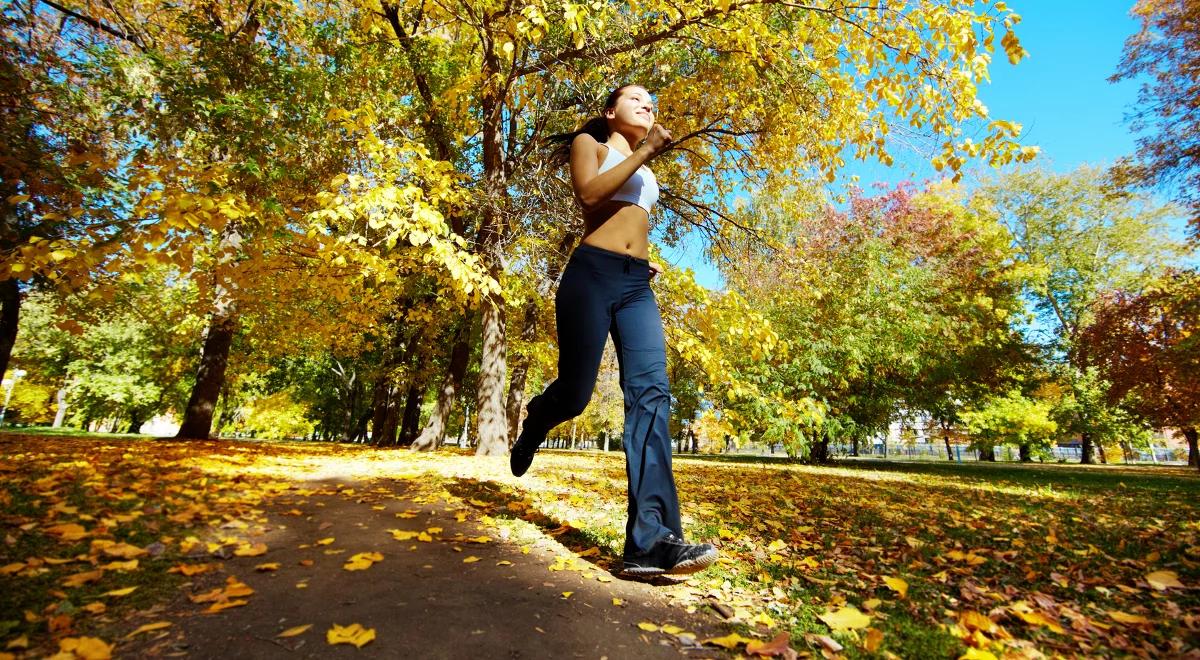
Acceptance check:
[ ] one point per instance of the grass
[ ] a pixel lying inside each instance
(1004, 558)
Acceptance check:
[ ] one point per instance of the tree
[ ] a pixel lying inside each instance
(1010, 418)
(1145, 344)
(1164, 56)
(1074, 240)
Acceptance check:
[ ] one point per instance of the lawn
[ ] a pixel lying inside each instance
(872, 558)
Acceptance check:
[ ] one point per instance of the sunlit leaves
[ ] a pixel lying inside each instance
(354, 634)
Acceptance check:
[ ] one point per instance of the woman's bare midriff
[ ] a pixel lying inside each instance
(619, 227)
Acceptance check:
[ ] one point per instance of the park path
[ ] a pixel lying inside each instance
(421, 599)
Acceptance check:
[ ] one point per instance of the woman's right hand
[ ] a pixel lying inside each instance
(658, 138)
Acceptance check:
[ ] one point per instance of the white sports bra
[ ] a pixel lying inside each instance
(641, 188)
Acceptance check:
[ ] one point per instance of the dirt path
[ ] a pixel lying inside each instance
(421, 599)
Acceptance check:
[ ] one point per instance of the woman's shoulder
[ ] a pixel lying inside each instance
(586, 141)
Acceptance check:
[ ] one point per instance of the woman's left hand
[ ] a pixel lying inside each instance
(655, 269)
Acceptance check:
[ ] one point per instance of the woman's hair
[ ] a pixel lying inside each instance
(596, 127)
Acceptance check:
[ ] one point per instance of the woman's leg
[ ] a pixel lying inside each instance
(582, 314)
(637, 333)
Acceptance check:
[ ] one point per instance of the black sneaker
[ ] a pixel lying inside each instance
(671, 555)
(520, 457)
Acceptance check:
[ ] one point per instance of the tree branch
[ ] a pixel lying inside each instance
(98, 25)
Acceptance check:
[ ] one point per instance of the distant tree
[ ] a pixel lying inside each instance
(1148, 345)
(1164, 54)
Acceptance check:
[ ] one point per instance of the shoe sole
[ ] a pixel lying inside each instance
(682, 568)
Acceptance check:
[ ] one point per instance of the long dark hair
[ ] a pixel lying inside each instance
(596, 127)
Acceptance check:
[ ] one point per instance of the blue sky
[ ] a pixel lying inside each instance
(1060, 95)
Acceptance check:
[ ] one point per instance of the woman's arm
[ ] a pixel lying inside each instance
(592, 189)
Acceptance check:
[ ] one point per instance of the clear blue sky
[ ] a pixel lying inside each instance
(1060, 95)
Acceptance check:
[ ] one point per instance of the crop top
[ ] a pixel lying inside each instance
(640, 188)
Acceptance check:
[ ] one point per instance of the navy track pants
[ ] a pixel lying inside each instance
(604, 292)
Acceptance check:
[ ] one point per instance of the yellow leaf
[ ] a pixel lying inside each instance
(248, 550)
(896, 584)
(149, 627)
(298, 630)
(120, 592)
(80, 579)
(593, 551)
(95, 608)
(480, 539)
(671, 630)
(434, 530)
(977, 654)
(401, 535)
(618, 602)
(191, 569)
(1163, 580)
(325, 541)
(648, 627)
(730, 641)
(764, 619)
(567, 594)
(362, 561)
(18, 199)
(352, 634)
(873, 640)
(471, 560)
(224, 605)
(424, 537)
(845, 619)
(123, 551)
(86, 648)
(1122, 617)
(21, 642)
(504, 562)
(872, 603)
(269, 566)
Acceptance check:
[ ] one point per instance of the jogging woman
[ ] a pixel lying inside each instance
(605, 288)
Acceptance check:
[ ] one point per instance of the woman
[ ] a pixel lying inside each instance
(605, 288)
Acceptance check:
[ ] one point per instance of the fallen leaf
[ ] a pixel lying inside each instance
(149, 627)
(503, 562)
(86, 648)
(298, 630)
(362, 561)
(267, 567)
(470, 560)
(18, 643)
(123, 551)
(873, 641)
(352, 634)
(1163, 580)
(567, 594)
(1122, 617)
(647, 626)
(120, 592)
(618, 602)
(780, 646)
(191, 569)
(730, 641)
(251, 550)
(845, 618)
(80, 579)
(224, 605)
(897, 584)
(325, 541)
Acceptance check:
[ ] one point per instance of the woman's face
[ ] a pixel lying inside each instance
(634, 109)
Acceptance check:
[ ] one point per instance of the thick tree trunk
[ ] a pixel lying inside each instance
(10, 313)
(949, 451)
(1192, 434)
(410, 421)
(435, 429)
(383, 412)
(1026, 453)
(854, 446)
(135, 422)
(819, 453)
(492, 417)
(197, 420)
(1088, 452)
(1103, 455)
(988, 454)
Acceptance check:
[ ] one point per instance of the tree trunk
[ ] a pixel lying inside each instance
(1026, 453)
(197, 420)
(210, 378)
(383, 412)
(988, 454)
(1191, 434)
(435, 429)
(820, 449)
(135, 422)
(60, 415)
(10, 314)
(491, 416)
(410, 421)
(1087, 456)
(854, 446)
(1103, 455)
